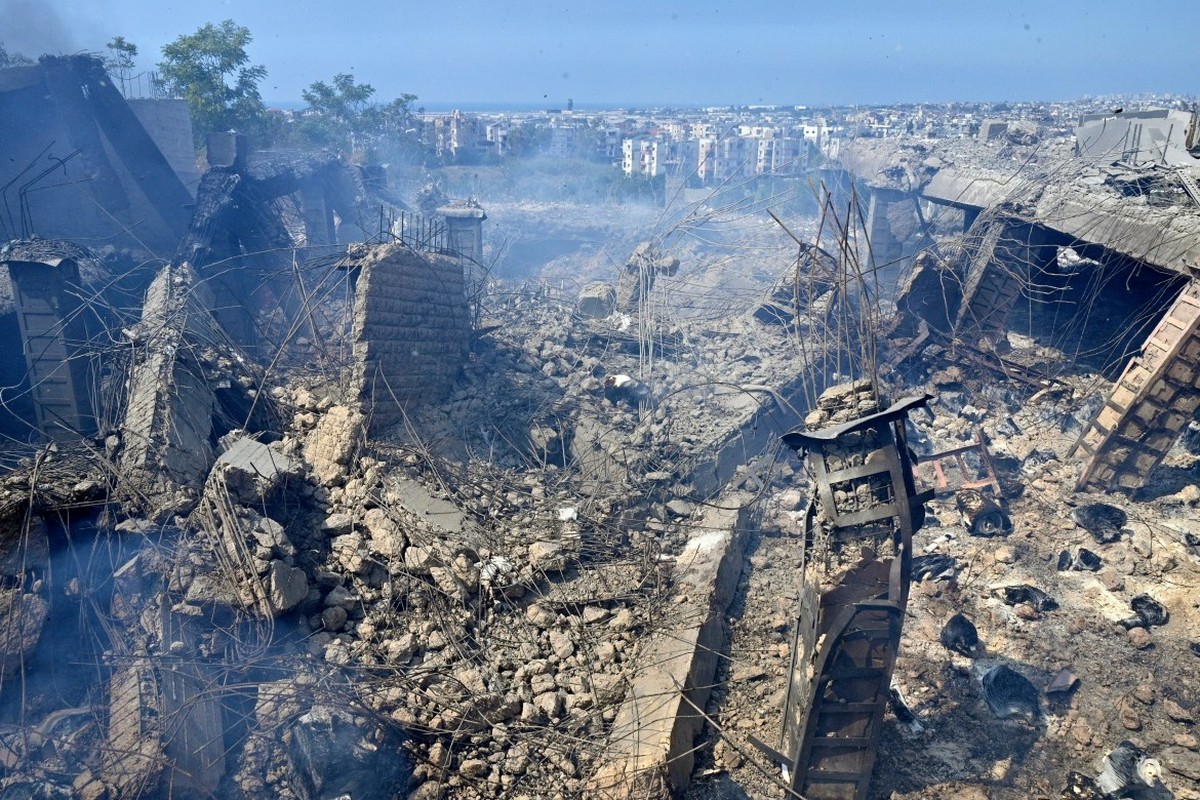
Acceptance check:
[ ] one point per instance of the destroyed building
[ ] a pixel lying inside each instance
(309, 506)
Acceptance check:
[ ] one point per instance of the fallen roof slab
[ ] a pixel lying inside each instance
(652, 741)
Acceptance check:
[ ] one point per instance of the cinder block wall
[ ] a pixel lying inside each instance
(410, 332)
(169, 124)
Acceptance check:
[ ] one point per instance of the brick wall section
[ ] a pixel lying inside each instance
(411, 329)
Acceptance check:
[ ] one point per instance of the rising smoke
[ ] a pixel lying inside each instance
(34, 28)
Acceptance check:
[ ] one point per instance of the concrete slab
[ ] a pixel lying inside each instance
(252, 470)
(652, 741)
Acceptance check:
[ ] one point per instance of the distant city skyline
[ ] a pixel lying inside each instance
(622, 53)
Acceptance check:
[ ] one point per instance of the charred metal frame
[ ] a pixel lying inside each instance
(847, 637)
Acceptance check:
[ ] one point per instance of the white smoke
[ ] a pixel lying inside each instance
(35, 27)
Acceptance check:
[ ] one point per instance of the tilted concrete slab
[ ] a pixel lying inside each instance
(969, 188)
(652, 741)
(1160, 236)
(168, 416)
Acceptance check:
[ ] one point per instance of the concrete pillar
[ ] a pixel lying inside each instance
(970, 214)
(464, 230)
(1149, 406)
(885, 247)
(318, 217)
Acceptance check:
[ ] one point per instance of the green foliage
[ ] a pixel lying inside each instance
(120, 57)
(335, 111)
(211, 71)
(341, 116)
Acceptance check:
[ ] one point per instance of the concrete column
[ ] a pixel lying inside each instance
(885, 247)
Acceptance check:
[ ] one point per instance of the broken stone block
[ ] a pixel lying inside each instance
(419, 559)
(350, 552)
(597, 301)
(1182, 762)
(270, 534)
(386, 536)
(252, 471)
(540, 616)
(286, 586)
(333, 618)
(548, 556)
(341, 597)
(681, 508)
(561, 644)
(549, 704)
(333, 442)
(21, 618)
(1140, 638)
(337, 524)
(448, 582)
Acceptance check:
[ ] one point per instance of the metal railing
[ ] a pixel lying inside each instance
(415, 230)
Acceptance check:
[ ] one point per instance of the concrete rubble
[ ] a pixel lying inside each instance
(372, 529)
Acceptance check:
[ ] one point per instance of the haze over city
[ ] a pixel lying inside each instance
(533, 54)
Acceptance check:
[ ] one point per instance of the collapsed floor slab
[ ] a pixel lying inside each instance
(653, 735)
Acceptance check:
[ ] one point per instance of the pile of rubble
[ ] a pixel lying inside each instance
(1089, 597)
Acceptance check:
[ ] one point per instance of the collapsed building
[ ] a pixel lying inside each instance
(318, 516)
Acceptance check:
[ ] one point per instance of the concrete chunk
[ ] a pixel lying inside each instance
(286, 586)
(252, 470)
(652, 743)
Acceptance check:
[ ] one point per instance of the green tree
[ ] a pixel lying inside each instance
(335, 113)
(341, 115)
(120, 59)
(211, 71)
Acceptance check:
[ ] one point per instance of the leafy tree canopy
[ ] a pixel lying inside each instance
(211, 71)
(342, 116)
(120, 57)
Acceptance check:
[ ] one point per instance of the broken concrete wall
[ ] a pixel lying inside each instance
(169, 124)
(411, 328)
(79, 163)
(168, 419)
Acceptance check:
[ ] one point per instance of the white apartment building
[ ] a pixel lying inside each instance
(781, 156)
(643, 155)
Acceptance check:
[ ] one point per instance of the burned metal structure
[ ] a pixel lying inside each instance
(62, 370)
(854, 578)
(1152, 402)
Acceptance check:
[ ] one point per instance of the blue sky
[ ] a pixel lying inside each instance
(539, 53)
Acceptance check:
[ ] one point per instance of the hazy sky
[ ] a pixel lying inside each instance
(539, 53)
